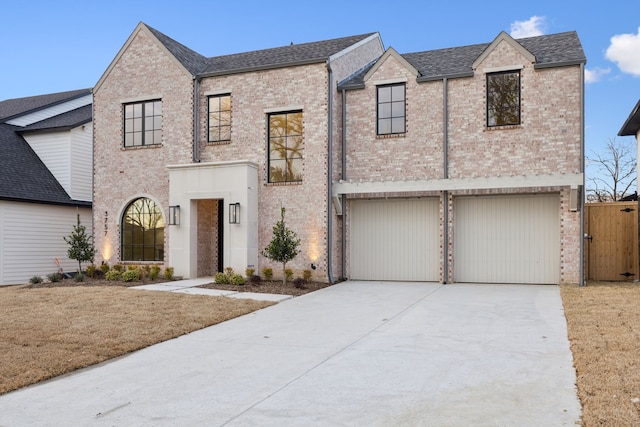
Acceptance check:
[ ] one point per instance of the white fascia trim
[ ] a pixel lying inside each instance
(480, 183)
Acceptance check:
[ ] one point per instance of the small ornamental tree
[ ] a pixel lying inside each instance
(80, 246)
(283, 247)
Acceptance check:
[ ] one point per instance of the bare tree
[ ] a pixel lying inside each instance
(613, 173)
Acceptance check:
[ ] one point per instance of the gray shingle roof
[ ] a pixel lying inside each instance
(23, 175)
(550, 50)
(295, 54)
(632, 124)
(13, 107)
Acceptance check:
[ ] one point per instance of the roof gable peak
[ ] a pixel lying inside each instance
(391, 52)
(503, 37)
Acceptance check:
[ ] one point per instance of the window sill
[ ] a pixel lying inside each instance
(282, 184)
(140, 147)
(214, 143)
(391, 135)
(504, 127)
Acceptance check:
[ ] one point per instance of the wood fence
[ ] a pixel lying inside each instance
(611, 241)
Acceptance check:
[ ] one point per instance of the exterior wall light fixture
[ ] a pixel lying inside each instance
(174, 215)
(234, 213)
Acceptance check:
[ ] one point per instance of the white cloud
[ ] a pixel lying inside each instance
(595, 75)
(624, 50)
(529, 28)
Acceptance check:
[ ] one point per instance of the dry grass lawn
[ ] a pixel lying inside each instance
(46, 332)
(603, 322)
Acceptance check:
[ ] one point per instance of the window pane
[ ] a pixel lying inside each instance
(148, 123)
(277, 171)
(225, 133)
(157, 122)
(397, 109)
(148, 137)
(157, 137)
(137, 125)
(384, 94)
(277, 125)
(397, 93)
(397, 125)
(137, 110)
(128, 125)
(295, 172)
(157, 108)
(225, 118)
(225, 103)
(128, 111)
(384, 126)
(384, 111)
(137, 138)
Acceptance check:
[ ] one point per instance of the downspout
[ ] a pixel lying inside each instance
(343, 197)
(196, 149)
(329, 168)
(445, 194)
(582, 167)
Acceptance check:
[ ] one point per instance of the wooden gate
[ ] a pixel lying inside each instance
(611, 241)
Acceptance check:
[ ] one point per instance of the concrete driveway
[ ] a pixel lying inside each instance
(357, 353)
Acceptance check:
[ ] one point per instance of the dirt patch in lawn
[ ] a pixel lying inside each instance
(603, 321)
(51, 329)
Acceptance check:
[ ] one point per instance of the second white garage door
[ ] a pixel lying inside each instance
(507, 239)
(394, 239)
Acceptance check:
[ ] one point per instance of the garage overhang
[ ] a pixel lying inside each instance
(453, 184)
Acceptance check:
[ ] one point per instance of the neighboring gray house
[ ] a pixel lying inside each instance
(45, 181)
(631, 127)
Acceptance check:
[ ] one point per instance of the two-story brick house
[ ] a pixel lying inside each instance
(465, 164)
(217, 145)
(446, 165)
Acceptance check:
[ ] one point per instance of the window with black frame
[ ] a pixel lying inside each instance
(391, 109)
(143, 123)
(142, 231)
(219, 118)
(285, 147)
(503, 98)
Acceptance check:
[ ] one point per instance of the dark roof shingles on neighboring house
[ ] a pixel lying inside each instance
(631, 126)
(549, 50)
(23, 175)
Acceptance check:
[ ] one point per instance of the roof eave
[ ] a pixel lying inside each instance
(311, 61)
(559, 64)
(70, 203)
(632, 124)
(53, 128)
(44, 107)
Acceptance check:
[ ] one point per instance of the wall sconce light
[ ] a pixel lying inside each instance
(313, 266)
(174, 215)
(234, 213)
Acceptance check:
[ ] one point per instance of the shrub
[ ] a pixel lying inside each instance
(98, 274)
(267, 272)
(249, 272)
(221, 278)
(237, 279)
(168, 273)
(306, 275)
(91, 268)
(104, 267)
(255, 278)
(299, 282)
(119, 268)
(154, 272)
(55, 277)
(35, 280)
(131, 276)
(288, 274)
(229, 271)
(132, 267)
(79, 277)
(112, 275)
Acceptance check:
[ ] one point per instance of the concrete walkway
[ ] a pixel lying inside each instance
(190, 286)
(354, 354)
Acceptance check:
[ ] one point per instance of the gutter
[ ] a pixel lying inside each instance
(196, 149)
(445, 194)
(329, 168)
(343, 197)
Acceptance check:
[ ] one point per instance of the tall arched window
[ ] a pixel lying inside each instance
(142, 233)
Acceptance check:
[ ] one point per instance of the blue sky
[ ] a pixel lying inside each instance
(53, 46)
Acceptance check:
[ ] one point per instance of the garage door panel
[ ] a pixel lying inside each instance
(507, 239)
(395, 239)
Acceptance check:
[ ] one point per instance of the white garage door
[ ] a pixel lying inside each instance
(395, 239)
(507, 239)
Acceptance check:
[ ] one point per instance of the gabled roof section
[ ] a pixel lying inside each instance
(632, 125)
(186, 58)
(11, 108)
(25, 178)
(391, 52)
(553, 50)
(64, 121)
(191, 60)
(504, 37)
(279, 57)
